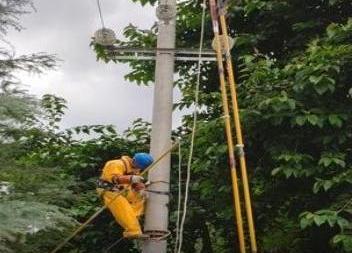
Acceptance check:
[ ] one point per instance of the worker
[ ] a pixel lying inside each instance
(122, 189)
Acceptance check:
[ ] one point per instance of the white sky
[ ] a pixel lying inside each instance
(96, 92)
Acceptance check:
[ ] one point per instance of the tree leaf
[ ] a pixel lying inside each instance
(315, 79)
(319, 219)
(335, 120)
(313, 119)
(275, 171)
(300, 120)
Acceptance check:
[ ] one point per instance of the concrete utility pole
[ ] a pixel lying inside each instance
(157, 213)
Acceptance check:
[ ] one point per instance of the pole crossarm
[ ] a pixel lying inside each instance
(181, 54)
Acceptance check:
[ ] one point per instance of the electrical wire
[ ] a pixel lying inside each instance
(100, 14)
(194, 128)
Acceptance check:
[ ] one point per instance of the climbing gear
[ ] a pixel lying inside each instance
(156, 182)
(142, 160)
(218, 13)
(104, 186)
(159, 192)
(100, 183)
(138, 237)
(158, 235)
(97, 213)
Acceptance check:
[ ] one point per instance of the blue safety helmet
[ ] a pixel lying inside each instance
(142, 160)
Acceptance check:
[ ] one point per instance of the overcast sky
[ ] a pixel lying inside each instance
(96, 92)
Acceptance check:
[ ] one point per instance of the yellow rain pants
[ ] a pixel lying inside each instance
(127, 207)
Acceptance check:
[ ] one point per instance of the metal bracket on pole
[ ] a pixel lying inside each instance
(157, 235)
(131, 53)
(160, 192)
(165, 13)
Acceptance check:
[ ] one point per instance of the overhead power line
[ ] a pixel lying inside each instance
(100, 14)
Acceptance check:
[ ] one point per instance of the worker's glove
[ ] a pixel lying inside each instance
(138, 187)
(137, 179)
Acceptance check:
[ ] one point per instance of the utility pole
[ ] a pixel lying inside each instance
(165, 54)
(157, 212)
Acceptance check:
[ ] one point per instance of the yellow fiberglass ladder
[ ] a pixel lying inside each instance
(226, 76)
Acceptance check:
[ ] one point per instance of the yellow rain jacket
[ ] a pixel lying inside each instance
(127, 207)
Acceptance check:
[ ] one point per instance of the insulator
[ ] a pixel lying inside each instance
(105, 37)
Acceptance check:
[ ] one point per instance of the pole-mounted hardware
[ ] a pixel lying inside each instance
(104, 37)
(166, 12)
(147, 54)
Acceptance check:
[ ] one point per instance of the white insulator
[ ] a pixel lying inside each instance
(105, 37)
(230, 40)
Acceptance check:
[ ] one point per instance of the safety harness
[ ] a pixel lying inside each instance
(108, 186)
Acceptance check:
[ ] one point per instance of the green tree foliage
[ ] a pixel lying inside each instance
(293, 66)
(293, 63)
(47, 175)
(299, 114)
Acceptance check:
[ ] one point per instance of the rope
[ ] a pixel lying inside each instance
(100, 14)
(81, 227)
(162, 237)
(118, 241)
(179, 196)
(97, 213)
(114, 244)
(194, 128)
